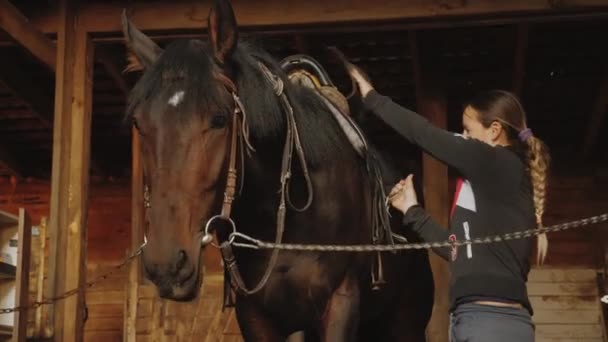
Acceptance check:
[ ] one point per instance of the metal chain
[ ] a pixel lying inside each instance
(72, 292)
(258, 244)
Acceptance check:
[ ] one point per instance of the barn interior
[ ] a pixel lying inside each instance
(555, 59)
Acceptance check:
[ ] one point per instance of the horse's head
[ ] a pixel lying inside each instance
(183, 112)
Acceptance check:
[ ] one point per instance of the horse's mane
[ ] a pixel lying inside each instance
(186, 65)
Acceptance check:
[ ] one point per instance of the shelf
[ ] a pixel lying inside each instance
(8, 220)
(7, 271)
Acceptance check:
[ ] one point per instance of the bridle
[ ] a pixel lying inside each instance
(240, 137)
(292, 141)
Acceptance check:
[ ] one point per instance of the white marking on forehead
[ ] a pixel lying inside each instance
(176, 98)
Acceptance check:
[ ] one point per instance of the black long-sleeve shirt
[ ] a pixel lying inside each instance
(494, 196)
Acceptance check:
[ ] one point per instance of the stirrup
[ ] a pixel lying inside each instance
(378, 281)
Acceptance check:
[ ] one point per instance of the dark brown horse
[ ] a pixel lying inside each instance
(220, 116)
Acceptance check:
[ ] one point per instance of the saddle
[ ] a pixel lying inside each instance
(306, 71)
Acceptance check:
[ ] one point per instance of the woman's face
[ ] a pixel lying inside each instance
(474, 129)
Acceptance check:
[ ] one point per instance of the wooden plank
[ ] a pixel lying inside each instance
(217, 326)
(132, 305)
(69, 194)
(145, 307)
(232, 338)
(143, 326)
(105, 17)
(105, 297)
(102, 336)
(562, 289)
(105, 310)
(232, 327)
(79, 179)
(104, 324)
(541, 275)
(570, 340)
(564, 303)
(147, 291)
(109, 284)
(568, 331)
(23, 274)
(582, 260)
(42, 311)
(27, 35)
(566, 317)
(61, 156)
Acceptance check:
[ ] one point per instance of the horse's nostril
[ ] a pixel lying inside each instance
(181, 260)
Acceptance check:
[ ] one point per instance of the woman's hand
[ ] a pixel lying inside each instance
(361, 79)
(403, 195)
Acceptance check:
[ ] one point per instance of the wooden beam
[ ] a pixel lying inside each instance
(111, 65)
(519, 63)
(597, 116)
(431, 103)
(8, 161)
(137, 234)
(24, 239)
(70, 177)
(35, 97)
(27, 35)
(105, 17)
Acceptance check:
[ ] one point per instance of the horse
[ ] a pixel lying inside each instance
(229, 145)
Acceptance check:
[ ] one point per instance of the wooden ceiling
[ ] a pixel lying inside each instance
(563, 72)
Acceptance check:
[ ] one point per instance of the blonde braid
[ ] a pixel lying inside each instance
(538, 162)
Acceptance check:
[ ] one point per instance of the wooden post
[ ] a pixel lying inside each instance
(23, 275)
(431, 103)
(137, 233)
(70, 178)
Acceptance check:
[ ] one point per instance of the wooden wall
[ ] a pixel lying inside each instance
(108, 238)
(571, 196)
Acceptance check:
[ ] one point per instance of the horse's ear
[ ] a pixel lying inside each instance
(223, 31)
(145, 49)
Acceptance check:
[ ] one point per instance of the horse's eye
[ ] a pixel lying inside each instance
(218, 121)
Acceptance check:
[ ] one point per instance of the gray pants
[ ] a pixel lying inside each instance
(482, 323)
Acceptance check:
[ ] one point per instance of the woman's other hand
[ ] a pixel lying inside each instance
(361, 79)
(403, 195)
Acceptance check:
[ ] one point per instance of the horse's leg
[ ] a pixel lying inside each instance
(341, 318)
(254, 325)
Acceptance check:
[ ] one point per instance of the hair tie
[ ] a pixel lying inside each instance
(525, 134)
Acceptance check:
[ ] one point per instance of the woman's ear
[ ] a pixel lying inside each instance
(497, 131)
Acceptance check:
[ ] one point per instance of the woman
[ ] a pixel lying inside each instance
(502, 189)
